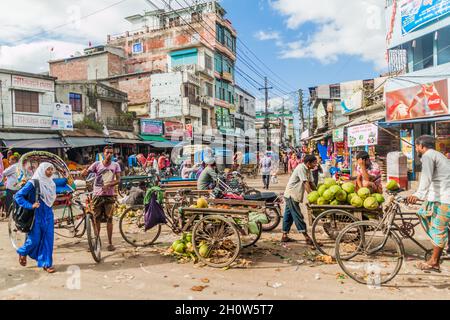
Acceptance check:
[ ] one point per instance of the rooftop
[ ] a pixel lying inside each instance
(27, 74)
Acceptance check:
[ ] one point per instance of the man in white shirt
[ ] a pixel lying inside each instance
(434, 189)
(266, 168)
(12, 185)
(300, 181)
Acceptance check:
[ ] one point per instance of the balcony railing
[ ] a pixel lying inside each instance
(120, 123)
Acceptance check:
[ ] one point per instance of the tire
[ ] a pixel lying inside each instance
(337, 221)
(366, 234)
(251, 192)
(216, 224)
(94, 241)
(150, 236)
(250, 239)
(16, 237)
(274, 218)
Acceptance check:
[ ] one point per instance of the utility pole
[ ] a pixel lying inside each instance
(300, 109)
(266, 119)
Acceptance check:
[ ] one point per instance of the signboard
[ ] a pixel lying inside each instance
(364, 135)
(29, 121)
(151, 127)
(351, 96)
(32, 83)
(62, 117)
(338, 135)
(420, 101)
(173, 129)
(407, 149)
(417, 13)
(304, 135)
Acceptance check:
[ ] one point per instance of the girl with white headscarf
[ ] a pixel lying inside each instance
(39, 242)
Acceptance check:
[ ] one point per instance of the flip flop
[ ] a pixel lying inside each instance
(287, 239)
(23, 261)
(424, 266)
(49, 270)
(111, 248)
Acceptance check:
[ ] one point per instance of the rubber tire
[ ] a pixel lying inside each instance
(11, 226)
(272, 226)
(91, 237)
(244, 245)
(393, 236)
(124, 214)
(316, 222)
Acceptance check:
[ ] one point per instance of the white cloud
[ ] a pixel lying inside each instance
(29, 28)
(350, 27)
(276, 103)
(267, 35)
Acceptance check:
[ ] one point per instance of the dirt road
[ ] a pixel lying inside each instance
(269, 271)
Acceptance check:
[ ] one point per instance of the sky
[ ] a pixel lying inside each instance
(302, 42)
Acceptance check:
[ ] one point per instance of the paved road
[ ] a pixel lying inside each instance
(276, 271)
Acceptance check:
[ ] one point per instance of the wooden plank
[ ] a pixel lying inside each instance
(214, 211)
(238, 202)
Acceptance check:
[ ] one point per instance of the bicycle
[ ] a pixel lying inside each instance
(372, 252)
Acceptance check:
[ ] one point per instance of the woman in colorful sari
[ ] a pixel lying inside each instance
(39, 242)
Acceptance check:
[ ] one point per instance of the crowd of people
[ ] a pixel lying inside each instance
(304, 170)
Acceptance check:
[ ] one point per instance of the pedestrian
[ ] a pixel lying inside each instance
(317, 170)
(434, 189)
(6, 160)
(39, 242)
(368, 173)
(209, 175)
(107, 177)
(162, 162)
(12, 183)
(300, 181)
(266, 168)
(293, 163)
(285, 162)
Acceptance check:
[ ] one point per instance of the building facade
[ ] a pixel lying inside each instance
(245, 112)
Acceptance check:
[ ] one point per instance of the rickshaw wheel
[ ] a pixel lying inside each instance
(216, 241)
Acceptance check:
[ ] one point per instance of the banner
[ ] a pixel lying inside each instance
(417, 13)
(151, 127)
(419, 101)
(364, 135)
(62, 118)
(338, 135)
(173, 129)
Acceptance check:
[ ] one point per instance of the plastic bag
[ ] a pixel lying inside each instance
(154, 214)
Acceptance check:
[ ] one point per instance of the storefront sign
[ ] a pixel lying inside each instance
(416, 14)
(420, 101)
(62, 117)
(443, 138)
(173, 129)
(364, 135)
(30, 121)
(338, 135)
(406, 145)
(304, 135)
(32, 83)
(151, 127)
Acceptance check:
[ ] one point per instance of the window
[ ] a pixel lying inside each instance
(335, 92)
(196, 17)
(208, 62)
(191, 93)
(137, 48)
(26, 101)
(75, 101)
(423, 52)
(205, 120)
(174, 22)
(443, 45)
(218, 66)
(208, 90)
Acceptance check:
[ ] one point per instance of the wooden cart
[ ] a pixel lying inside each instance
(327, 222)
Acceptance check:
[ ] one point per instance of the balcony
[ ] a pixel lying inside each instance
(122, 123)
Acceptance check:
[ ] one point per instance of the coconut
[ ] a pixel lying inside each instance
(364, 193)
(371, 203)
(357, 202)
(348, 187)
(313, 196)
(341, 195)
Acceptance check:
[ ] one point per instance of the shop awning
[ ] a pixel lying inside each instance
(79, 142)
(152, 138)
(27, 135)
(158, 142)
(35, 144)
(435, 119)
(126, 141)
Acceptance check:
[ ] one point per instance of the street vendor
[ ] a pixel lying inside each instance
(368, 173)
(301, 181)
(208, 176)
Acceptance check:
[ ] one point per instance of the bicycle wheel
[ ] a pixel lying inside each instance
(132, 228)
(216, 241)
(16, 236)
(248, 239)
(369, 255)
(326, 228)
(274, 216)
(94, 241)
(64, 222)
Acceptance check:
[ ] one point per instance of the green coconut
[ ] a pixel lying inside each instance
(329, 182)
(379, 197)
(321, 201)
(350, 196)
(341, 195)
(364, 193)
(348, 187)
(392, 185)
(313, 196)
(321, 190)
(371, 203)
(357, 202)
(328, 195)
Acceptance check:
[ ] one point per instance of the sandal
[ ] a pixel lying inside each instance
(50, 269)
(424, 266)
(287, 239)
(111, 248)
(23, 261)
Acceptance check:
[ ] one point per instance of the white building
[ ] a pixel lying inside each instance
(245, 115)
(27, 100)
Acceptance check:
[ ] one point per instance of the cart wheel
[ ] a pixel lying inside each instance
(216, 241)
(326, 228)
(94, 241)
(132, 228)
(16, 236)
(249, 239)
(274, 216)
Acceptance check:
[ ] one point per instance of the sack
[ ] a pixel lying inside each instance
(24, 218)
(154, 214)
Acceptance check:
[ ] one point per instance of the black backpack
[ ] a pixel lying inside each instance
(24, 218)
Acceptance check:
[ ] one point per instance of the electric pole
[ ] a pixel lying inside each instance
(300, 109)
(266, 118)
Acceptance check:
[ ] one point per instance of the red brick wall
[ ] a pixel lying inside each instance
(115, 65)
(138, 89)
(71, 70)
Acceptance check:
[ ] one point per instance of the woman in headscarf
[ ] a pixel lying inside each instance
(39, 242)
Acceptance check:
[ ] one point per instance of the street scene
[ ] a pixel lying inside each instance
(225, 150)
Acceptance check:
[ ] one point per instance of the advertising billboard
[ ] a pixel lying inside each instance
(417, 13)
(419, 101)
(151, 127)
(62, 117)
(364, 135)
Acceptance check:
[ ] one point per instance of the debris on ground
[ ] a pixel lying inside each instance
(317, 276)
(325, 259)
(204, 280)
(276, 285)
(199, 288)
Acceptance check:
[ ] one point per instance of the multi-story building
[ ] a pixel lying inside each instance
(417, 92)
(245, 112)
